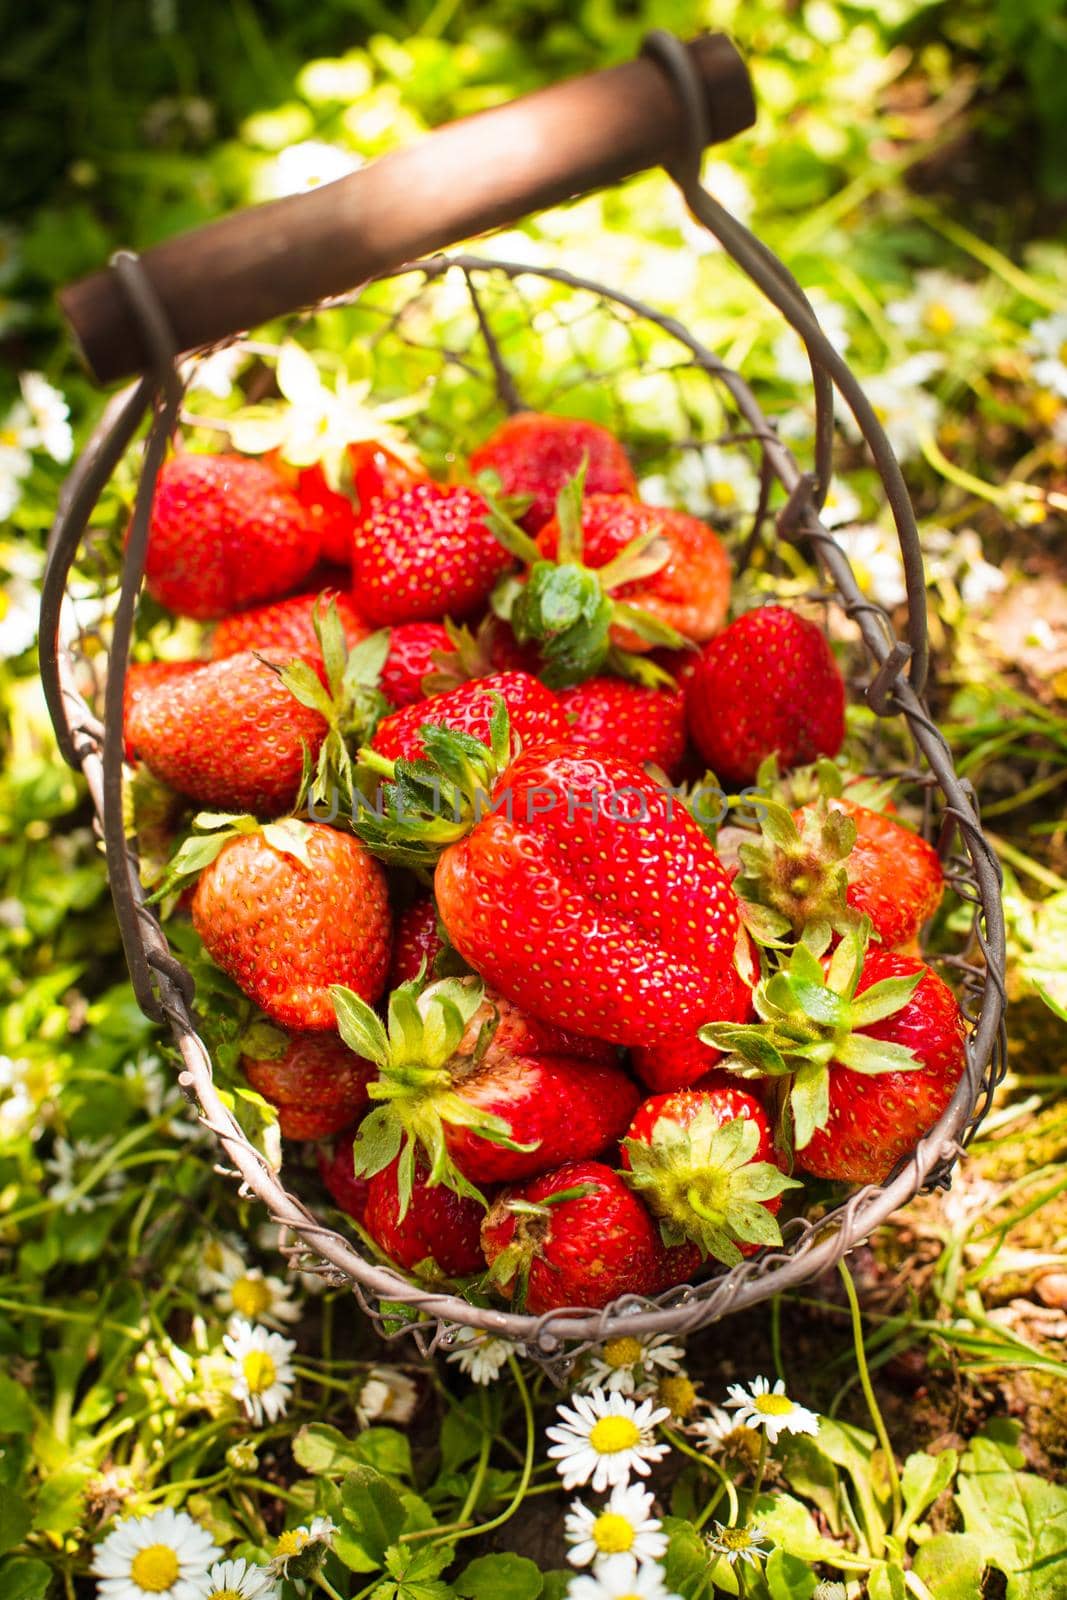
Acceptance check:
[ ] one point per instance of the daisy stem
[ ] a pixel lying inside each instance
(757, 1482)
(869, 1395)
(528, 1460)
(726, 1488)
(327, 1587)
(478, 1478)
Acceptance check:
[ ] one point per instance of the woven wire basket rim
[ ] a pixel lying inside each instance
(165, 990)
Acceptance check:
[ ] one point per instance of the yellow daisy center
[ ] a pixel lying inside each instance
(250, 1296)
(224, 1594)
(619, 1353)
(5, 604)
(723, 494)
(678, 1394)
(735, 1538)
(1062, 352)
(612, 1534)
(291, 1542)
(155, 1568)
(938, 318)
(1046, 405)
(259, 1371)
(612, 1434)
(882, 413)
(773, 1405)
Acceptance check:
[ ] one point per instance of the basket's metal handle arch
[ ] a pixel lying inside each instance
(470, 176)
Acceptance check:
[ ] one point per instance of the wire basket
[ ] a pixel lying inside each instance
(486, 337)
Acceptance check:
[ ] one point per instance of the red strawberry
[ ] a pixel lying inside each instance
(689, 592)
(589, 1241)
(871, 1045)
(229, 735)
(535, 454)
(318, 1085)
(378, 474)
(704, 1162)
(417, 942)
(536, 715)
(681, 1062)
(597, 903)
(438, 1225)
(767, 686)
(334, 514)
(875, 1121)
(894, 875)
(480, 1110)
(425, 554)
(626, 719)
(412, 647)
(286, 627)
(144, 676)
(290, 910)
(226, 532)
(347, 1192)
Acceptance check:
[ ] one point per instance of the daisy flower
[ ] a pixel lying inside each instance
(387, 1395)
(304, 166)
(957, 557)
(712, 482)
(479, 1355)
(625, 1526)
(1048, 341)
(215, 373)
(677, 1392)
(620, 1578)
(790, 355)
(238, 1580)
(625, 1362)
(20, 605)
(160, 1557)
(938, 306)
(713, 1430)
(41, 418)
(304, 1545)
(68, 1165)
(905, 409)
(218, 1261)
(248, 1294)
(842, 504)
(604, 1438)
(761, 1406)
(747, 1545)
(875, 559)
(263, 1371)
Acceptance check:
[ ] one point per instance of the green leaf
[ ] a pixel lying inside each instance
(305, 685)
(855, 1451)
(290, 836)
(951, 1565)
(16, 1412)
(863, 1053)
(791, 1525)
(359, 1026)
(499, 1577)
(372, 1510)
(789, 1577)
(810, 1101)
(320, 1449)
(882, 999)
(885, 1581)
(15, 1519)
(923, 1478)
(1020, 1519)
(377, 1142)
(685, 1564)
(416, 1570)
(387, 1450)
(24, 1578)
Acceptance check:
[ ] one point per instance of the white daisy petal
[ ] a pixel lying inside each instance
(1048, 342)
(605, 1438)
(238, 1580)
(158, 1557)
(770, 1408)
(387, 1395)
(747, 1545)
(625, 1363)
(479, 1355)
(939, 307)
(621, 1578)
(625, 1526)
(262, 1375)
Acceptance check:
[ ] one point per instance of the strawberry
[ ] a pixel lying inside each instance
(437, 1226)
(535, 454)
(141, 678)
(574, 884)
(836, 861)
(536, 715)
(681, 1062)
(288, 910)
(413, 651)
(229, 735)
(374, 472)
(870, 1045)
(226, 532)
(768, 685)
(577, 1236)
(378, 473)
(347, 1192)
(317, 1084)
(627, 719)
(426, 554)
(286, 627)
(417, 942)
(477, 1109)
(704, 1162)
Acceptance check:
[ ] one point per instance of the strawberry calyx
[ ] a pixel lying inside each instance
(415, 1053)
(215, 829)
(510, 1269)
(797, 868)
(567, 607)
(812, 1017)
(423, 806)
(350, 701)
(702, 1184)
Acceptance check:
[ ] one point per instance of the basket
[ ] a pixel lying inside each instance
(538, 337)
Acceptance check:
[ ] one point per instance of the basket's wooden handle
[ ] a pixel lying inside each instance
(463, 179)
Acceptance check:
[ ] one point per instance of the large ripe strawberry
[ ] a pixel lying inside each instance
(287, 627)
(288, 910)
(577, 1236)
(535, 454)
(437, 1229)
(870, 1045)
(767, 686)
(683, 1061)
(228, 736)
(417, 942)
(834, 860)
(318, 1085)
(226, 532)
(537, 717)
(645, 725)
(704, 1162)
(347, 1192)
(141, 678)
(475, 1108)
(426, 554)
(413, 651)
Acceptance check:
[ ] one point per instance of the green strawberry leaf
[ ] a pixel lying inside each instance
(376, 1143)
(290, 836)
(810, 1102)
(862, 1053)
(359, 1026)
